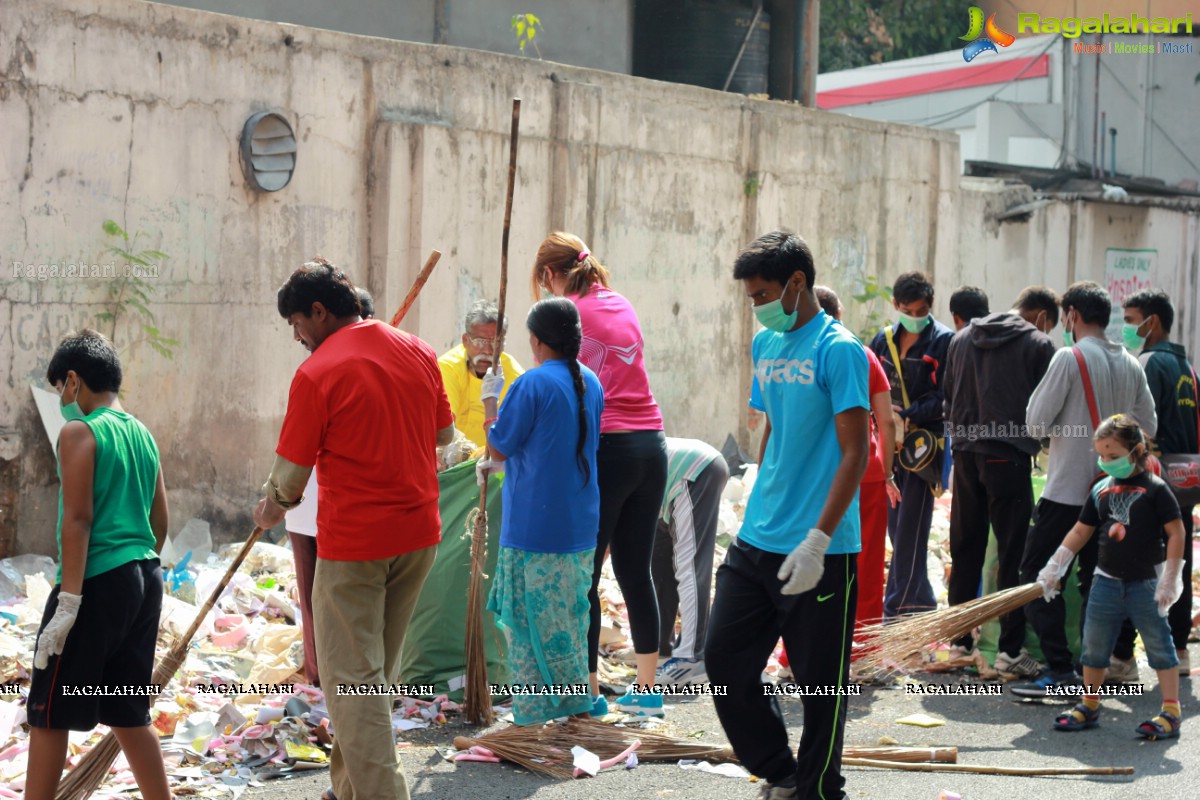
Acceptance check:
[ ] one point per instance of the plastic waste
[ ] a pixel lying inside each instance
(18, 569)
(195, 538)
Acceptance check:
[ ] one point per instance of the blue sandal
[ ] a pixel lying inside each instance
(1079, 718)
(1152, 729)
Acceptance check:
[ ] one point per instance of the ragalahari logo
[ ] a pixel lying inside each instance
(984, 37)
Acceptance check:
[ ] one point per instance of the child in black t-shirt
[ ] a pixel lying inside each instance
(1131, 508)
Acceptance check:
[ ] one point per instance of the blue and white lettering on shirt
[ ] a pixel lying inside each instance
(802, 380)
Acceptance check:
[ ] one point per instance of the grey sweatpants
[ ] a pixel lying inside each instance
(683, 562)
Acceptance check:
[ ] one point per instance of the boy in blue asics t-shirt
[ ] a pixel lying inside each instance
(792, 570)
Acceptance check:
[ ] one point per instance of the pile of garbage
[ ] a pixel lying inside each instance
(239, 710)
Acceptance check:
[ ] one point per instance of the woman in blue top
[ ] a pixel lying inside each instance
(546, 437)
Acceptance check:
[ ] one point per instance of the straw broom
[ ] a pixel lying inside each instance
(95, 765)
(477, 701)
(899, 645)
(546, 749)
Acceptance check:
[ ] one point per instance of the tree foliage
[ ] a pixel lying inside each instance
(856, 33)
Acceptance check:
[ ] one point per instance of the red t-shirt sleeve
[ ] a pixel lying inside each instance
(445, 417)
(877, 381)
(304, 423)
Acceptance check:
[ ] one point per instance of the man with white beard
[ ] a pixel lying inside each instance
(464, 366)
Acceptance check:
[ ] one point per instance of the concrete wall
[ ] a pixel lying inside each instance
(1067, 241)
(583, 33)
(132, 111)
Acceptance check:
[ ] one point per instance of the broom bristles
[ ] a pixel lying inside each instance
(899, 645)
(477, 700)
(546, 749)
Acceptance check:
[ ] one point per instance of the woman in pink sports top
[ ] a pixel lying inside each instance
(632, 459)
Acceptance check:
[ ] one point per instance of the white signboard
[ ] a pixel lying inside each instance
(1125, 273)
(49, 406)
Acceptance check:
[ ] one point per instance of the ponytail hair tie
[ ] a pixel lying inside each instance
(583, 255)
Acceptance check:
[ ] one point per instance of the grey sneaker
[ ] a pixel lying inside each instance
(683, 672)
(773, 791)
(1021, 665)
(1050, 684)
(1121, 670)
(1185, 662)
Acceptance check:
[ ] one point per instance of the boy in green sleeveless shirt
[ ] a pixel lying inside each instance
(95, 649)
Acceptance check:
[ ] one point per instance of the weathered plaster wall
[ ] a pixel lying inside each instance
(132, 111)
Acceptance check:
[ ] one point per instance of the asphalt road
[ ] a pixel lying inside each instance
(991, 731)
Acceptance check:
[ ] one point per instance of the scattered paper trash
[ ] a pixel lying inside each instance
(921, 720)
(946, 794)
(586, 760)
(725, 770)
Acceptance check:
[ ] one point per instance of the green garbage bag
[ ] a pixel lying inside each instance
(434, 646)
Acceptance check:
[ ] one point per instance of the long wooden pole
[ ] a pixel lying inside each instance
(418, 284)
(477, 701)
(508, 204)
(982, 770)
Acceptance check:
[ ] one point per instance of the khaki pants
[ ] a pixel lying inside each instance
(361, 610)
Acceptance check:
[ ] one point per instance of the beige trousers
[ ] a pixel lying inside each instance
(361, 610)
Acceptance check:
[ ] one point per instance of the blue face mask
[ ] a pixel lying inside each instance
(772, 316)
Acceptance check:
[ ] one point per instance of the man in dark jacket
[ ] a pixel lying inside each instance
(915, 346)
(992, 368)
(1149, 316)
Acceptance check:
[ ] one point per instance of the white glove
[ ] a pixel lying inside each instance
(493, 383)
(484, 467)
(54, 635)
(1170, 585)
(1053, 572)
(801, 570)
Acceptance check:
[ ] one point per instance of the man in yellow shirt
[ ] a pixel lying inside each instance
(464, 366)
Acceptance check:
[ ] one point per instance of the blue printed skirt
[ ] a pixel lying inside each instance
(541, 602)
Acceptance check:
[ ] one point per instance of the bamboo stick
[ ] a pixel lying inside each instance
(982, 770)
(477, 702)
(418, 284)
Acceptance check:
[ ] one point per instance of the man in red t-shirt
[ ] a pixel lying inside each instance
(878, 488)
(368, 407)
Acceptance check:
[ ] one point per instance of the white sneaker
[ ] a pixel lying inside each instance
(683, 672)
(770, 791)
(1022, 665)
(1121, 670)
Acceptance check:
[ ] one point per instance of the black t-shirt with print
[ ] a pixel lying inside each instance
(1142, 504)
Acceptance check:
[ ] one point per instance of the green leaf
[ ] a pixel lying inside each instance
(156, 254)
(113, 229)
(135, 303)
(105, 316)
